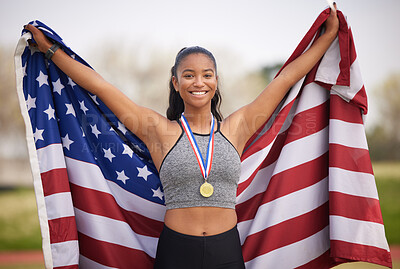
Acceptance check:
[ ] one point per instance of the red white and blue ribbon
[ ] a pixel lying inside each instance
(205, 167)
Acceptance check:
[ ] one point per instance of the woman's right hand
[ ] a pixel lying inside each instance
(332, 23)
(43, 43)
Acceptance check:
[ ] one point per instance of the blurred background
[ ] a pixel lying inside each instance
(133, 44)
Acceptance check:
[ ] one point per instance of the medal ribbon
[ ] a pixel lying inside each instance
(205, 167)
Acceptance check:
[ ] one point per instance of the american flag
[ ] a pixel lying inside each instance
(306, 198)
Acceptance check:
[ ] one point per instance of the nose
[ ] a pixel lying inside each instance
(198, 82)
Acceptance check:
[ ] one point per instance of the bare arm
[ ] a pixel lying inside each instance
(147, 124)
(242, 124)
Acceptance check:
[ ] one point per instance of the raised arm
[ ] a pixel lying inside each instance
(243, 123)
(147, 124)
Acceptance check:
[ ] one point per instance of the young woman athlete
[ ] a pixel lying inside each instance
(200, 220)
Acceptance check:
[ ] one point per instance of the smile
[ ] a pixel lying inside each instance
(199, 93)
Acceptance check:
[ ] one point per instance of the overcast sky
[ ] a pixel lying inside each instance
(259, 32)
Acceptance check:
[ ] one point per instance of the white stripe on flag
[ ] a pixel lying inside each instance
(114, 231)
(329, 70)
(353, 183)
(347, 134)
(301, 253)
(312, 95)
(88, 263)
(51, 157)
(62, 253)
(358, 232)
(308, 148)
(59, 205)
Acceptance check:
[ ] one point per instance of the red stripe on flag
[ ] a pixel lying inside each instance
(343, 111)
(55, 181)
(284, 234)
(345, 52)
(268, 137)
(104, 204)
(308, 122)
(63, 229)
(67, 267)
(346, 251)
(113, 255)
(355, 207)
(353, 159)
(285, 183)
(360, 99)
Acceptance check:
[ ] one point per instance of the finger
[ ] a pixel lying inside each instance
(31, 28)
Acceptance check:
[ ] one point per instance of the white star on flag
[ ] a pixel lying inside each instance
(24, 69)
(137, 148)
(71, 82)
(94, 98)
(121, 176)
(58, 86)
(127, 150)
(42, 79)
(83, 107)
(122, 128)
(38, 134)
(70, 110)
(50, 112)
(31, 102)
(95, 131)
(158, 193)
(108, 154)
(144, 172)
(66, 141)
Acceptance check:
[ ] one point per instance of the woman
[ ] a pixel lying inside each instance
(200, 221)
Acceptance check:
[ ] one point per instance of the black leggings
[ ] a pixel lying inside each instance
(176, 250)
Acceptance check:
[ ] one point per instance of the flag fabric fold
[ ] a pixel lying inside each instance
(306, 198)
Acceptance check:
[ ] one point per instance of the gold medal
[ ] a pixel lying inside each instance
(206, 189)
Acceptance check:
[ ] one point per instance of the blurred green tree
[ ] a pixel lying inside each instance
(11, 123)
(384, 138)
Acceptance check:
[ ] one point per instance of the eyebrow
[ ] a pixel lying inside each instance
(205, 70)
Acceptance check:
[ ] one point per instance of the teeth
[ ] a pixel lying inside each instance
(198, 93)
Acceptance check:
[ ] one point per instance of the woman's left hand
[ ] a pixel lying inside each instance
(332, 23)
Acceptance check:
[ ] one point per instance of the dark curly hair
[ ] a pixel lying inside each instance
(176, 105)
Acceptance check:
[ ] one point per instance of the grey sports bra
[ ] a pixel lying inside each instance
(181, 177)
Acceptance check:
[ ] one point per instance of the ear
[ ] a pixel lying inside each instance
(175, 83)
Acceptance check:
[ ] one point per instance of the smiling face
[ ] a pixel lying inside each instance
(196, 81)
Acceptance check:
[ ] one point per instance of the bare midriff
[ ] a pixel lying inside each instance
(200, 221)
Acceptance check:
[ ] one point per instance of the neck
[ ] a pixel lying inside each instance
(199, 121)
